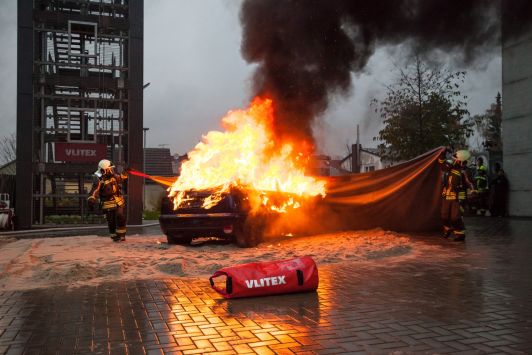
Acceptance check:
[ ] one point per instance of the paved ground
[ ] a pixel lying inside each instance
(473, 298)
(150, 227)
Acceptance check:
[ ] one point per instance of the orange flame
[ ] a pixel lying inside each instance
(244, 156)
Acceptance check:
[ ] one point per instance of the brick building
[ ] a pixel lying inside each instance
(158, 163)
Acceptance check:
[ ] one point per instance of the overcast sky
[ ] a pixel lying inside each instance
(192, 60)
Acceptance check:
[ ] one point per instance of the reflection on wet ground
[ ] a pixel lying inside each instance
(453, 297)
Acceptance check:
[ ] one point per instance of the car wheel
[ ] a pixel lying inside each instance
(178, 239)
(248, 235)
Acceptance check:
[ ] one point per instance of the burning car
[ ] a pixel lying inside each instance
(230, 218)
(236, 182)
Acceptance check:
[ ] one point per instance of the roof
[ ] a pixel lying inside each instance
(9, 168)
(158, 162)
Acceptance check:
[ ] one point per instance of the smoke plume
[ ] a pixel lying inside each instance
(306, 50)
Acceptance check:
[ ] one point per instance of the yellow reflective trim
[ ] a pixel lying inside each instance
(459, 232)
(455, 172)
(119, 200)
(109, 204)
(121, 230)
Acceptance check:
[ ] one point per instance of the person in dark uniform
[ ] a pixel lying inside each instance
(455, 182)
(108, 189)
(499, 188)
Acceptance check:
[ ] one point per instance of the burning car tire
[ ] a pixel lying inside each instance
(249, 234)
(178, 239)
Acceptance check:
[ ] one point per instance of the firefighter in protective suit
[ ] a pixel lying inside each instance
(455, 182)
(108, 189)
(481, 182)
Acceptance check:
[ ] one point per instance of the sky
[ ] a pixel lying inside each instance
(196, 73)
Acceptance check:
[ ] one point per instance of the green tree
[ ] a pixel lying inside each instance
(422, 110)
(488, 125)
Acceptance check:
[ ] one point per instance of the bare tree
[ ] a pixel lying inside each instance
(8, 148)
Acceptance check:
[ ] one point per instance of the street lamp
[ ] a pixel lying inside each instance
(145, 129)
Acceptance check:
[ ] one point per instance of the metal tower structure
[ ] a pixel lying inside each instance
(79, 100)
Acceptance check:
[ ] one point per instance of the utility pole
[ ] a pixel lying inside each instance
(145, 129)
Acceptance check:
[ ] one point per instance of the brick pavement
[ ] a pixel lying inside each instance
(472, 298)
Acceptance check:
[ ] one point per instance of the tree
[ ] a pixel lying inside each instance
(8, 148)
(422, 110)
(488, 125)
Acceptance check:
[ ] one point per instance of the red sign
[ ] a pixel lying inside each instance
(80, 152)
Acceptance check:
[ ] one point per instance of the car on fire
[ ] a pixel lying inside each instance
(229, 219)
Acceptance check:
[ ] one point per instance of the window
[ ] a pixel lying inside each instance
(81, 125)
(82, 40)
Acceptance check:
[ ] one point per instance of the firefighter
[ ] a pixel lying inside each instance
(481, 185)
(455, 182)
(108, 189)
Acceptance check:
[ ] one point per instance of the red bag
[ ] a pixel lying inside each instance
(268, 278)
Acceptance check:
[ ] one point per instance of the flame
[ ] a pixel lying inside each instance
(244, 156)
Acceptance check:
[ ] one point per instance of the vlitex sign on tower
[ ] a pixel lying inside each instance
(80, 152)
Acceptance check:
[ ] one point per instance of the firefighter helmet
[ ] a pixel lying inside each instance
(463, 155)
(103, 165)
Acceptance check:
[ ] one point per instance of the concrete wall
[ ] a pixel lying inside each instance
(517, 121)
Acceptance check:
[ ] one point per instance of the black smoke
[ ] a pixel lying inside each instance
(306, 50)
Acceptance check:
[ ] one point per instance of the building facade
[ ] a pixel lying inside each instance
(517, 120)
(79, 100)
(158, 163)
(363, 160)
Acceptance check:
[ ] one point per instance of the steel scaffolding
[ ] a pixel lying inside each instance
(79, 82)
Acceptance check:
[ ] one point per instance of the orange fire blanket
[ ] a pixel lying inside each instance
(405, 197)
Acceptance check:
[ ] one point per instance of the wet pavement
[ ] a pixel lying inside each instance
(149, 227)
(462, 298)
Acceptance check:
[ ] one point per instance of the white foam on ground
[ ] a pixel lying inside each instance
(89, 260)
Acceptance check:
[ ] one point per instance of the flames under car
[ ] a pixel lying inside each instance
(228, 219)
